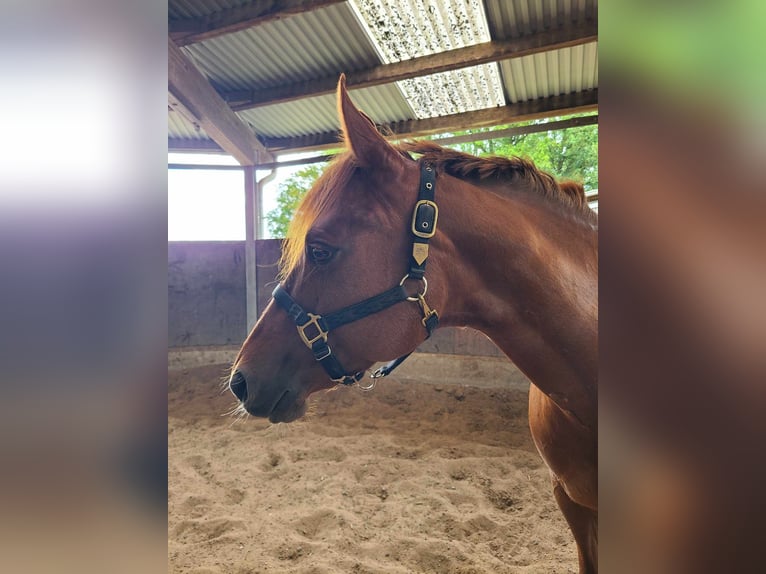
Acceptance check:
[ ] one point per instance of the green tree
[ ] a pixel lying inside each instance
(571, 153)
(289, 194)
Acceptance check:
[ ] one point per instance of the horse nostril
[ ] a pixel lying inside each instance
(238, 386)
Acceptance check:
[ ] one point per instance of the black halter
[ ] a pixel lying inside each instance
(314, 329)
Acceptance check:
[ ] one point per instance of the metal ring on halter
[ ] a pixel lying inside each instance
(369, 387)
(425, 288)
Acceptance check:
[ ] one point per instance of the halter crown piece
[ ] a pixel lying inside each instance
(314, 329)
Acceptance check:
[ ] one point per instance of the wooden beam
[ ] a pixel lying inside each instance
(520, 130)
(204, 167)
(189, 31)
(190, 88)
(176, 106)
(476, 136)
(423, 66)
(251, 259)
(309, 142)
(191, 146)
(561, 105)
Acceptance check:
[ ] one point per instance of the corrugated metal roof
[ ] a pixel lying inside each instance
(320, 43)
(319, 115)
(551, 73)
(180, 127)
(182, 9)
(363, 34)
(513, 18)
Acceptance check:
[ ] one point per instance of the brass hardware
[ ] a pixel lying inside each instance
(424, 234)
(326, 354)
(425, 287)
(427, 311)
(321, 333)
(369, 387)
(377, 373)
(420, 252)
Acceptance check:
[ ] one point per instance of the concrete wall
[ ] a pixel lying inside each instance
(207, 307)
(206, 293)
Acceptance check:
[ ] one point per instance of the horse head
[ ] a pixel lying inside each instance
(344, 262)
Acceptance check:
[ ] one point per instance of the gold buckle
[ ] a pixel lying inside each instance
(417, 232)
(321, 334)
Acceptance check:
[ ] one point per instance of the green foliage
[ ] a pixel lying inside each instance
(571, 153)
(289, 194)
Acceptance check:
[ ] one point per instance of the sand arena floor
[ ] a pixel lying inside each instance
(405, 478)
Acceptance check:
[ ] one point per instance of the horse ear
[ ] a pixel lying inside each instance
(362, 137)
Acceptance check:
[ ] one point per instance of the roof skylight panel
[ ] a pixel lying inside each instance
(406, 29)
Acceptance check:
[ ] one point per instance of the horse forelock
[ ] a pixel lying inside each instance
(323, 196)
(511, 169)
(329, 193)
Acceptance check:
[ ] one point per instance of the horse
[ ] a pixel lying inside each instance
(509, 250)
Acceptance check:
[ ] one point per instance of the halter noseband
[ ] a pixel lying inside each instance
(313, 329)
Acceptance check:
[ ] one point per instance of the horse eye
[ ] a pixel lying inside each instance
(320, 253)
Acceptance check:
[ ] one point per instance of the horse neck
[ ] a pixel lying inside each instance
(523, 270)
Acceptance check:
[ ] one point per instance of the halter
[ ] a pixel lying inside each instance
(314, 329)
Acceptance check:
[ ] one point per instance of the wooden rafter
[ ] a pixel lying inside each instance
(576, 122)
(565, 104)
(330, 139)
(192, 146)
(196, 98)
(423, 66)
(189, 31)
(181, 144)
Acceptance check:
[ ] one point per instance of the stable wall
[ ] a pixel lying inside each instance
(206, 293)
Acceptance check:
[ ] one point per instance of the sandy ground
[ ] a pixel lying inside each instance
(404, 478)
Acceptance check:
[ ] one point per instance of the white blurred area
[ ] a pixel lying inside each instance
(83, 109)
(81, 83)
(62, 133)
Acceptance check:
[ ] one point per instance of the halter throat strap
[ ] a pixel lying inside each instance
(314, 329)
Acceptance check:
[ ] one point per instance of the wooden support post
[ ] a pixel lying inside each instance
(251, 234)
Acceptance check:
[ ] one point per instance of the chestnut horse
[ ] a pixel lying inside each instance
(509, 251)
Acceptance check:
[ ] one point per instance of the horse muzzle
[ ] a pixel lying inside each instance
(278, 404)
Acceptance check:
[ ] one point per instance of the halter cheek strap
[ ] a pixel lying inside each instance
(424, 219)
(314, 329)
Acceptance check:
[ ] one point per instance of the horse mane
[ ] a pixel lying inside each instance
(324, 194)
(575, 191)
(514, 170)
